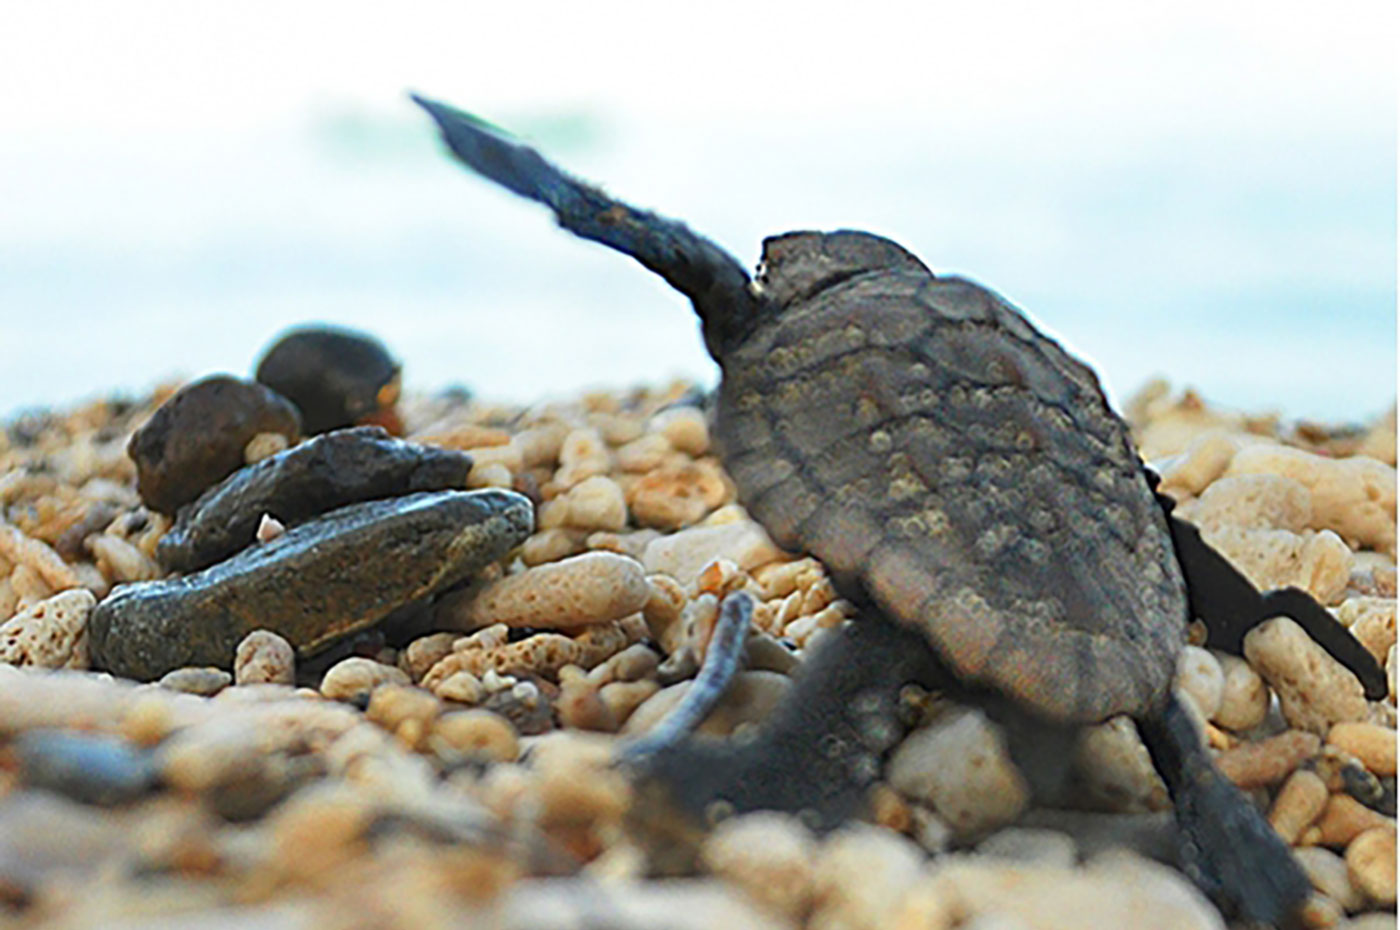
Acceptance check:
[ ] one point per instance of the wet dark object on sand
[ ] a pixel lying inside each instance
(90, 767)
(317, 583)
(317, 476)
(967, 486)
(196, 438)
(336, 377)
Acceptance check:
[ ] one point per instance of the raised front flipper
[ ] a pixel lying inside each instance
(1230, 606)
(714, 281)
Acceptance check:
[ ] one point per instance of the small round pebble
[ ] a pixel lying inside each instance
(1370, 860)
(1372, 745)
(959, 766)
(770, 855)
(205, 681)
(336, 377)
(197, 437)
(1244, 697)
(1200, 678)
(263, 657)
(586, 589)
(1328, 873)
(355, 678)
(1314, 689)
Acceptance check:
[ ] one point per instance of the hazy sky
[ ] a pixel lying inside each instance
(1201, 189)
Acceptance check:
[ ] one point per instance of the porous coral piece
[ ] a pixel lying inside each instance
(1370, 860)
(595, 587)
(263, 657)
(425, 652)
(685, 428)
(25, 551)
(1372, 745)
(1372, 621)
(543, 654)
(1298, 803)
(683, 555)
(1113, 771)
(675, 496)
(1314, 689)
(405, 711)
(51, 633)
(1244, 698)
(1267, 761)
(1204, 460)
(1319, 563)
(1354, 496)
(595, 503)
(583, 453)
(1254, 502)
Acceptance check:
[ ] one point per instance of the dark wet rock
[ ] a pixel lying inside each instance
(196, 438)
(207, 681)
(319, 582)
(328, 472)
(337, 377)
(88, 767)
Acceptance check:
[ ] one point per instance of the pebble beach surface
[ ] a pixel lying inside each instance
(402, 710)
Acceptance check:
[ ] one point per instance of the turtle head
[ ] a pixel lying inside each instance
(798, 265)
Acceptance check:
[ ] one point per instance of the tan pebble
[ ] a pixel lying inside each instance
(645, 454)
(616, 428)
(403, 710)
(1204, 460)
(264, 657)
(763, 651)
(29, 586)
(148, 720)
(51, 633)
(1267, 761)
(540, 445)
(1244, 697)
(1370, 860)
(490, 474)
(751, 696)
(629, 544)
(666, 600)
(462, 687)
(631, 664)
(355, 678)
(120, 560)
(675, 496)
(770, 855)
(1200, 678)
(685, 428)
(1320, 912)
(424, 652)
(1379, 441)
(888, 809)
(9, 599)
(581, 708)
(89, 576)
(543, 654)
(1345, 818)
(477, 734)
(1298, 803)
(683, 555)
(264, 445)
(1353, 496)
(1328, 874)
(1113, 770)
(1372, 621)
(959, 766)
(24, 551)
(1390, 664)
(622, 698)
(1372, 745)
(551, 546)
(595, 504)
(1259, 502)
(269, 528)
(586, 589)
(781, 578)
(1314, 689)
(582, 454)
(317, 832)
(1317, 562)
(206, 681)
(860, 875)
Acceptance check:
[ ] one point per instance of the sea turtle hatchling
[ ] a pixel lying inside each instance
(968, 487)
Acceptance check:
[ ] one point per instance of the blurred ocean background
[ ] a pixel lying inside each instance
(1202, 190)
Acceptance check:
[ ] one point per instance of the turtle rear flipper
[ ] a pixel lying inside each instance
(1227, 847)
(714, 281)
(1231, 606)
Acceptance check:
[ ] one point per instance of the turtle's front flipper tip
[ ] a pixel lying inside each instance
(490, 152)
